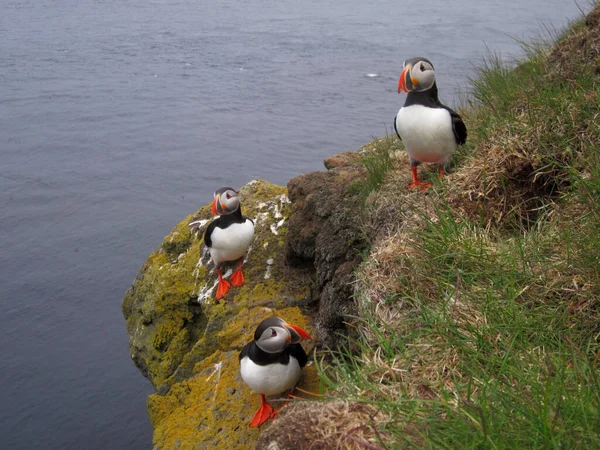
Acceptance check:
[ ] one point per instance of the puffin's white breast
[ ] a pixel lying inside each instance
(231, 243)
(426, 133)
(270, 379)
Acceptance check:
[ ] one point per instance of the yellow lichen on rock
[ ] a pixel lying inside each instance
(179, 334)
(212, 409)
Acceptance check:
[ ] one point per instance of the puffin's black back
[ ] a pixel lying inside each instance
(262, 358)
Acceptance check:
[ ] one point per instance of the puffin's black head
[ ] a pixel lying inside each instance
(273, 335)
(418, 75)
(226, 201)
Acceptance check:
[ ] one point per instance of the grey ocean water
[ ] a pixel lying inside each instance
(118, 118)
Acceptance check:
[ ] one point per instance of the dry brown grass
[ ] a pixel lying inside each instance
(580, 47)
(325, 425)
(461, 278)
(510, 193)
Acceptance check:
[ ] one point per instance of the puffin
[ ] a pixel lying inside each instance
(272, 363)
(430, 131)
(228, 237)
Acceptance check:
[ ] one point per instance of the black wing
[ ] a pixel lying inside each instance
(396, 129)
(246, 350)
(208, 232)
(458, 127)
(298, 352)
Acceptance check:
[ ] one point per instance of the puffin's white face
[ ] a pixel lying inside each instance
(418, 75)
(273, 335)
(274, 339)
(226, 201)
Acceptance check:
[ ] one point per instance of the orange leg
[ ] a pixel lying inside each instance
(274, 415)
(421, 184)
(237, 279)
(223, 287)
(441, 173)
(263, 414)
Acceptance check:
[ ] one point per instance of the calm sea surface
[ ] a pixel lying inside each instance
(119, 117)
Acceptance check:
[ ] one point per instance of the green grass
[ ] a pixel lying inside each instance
(491, 337)
(378, 162)
(514, 362)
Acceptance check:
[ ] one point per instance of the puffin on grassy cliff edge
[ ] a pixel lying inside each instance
(272, 363)
(228, 237)
(430, 131)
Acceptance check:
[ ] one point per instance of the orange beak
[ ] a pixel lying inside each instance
(213, 209)
(298, 334)
(402, 80)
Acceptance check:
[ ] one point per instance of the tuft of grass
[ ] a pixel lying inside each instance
(531, 125)
(378, 162)
(478, 320)
(495, 342)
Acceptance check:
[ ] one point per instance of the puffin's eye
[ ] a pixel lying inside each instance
(273, 333)
(422, 67)
(228, 195)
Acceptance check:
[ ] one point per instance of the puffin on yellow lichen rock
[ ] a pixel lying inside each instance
(272, 363)
(228, 237)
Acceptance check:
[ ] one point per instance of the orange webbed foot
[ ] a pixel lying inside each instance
(237, 279)
(223, 287)
(263, 414)
(421, 184)
(416, 183)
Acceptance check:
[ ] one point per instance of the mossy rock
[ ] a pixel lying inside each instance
(212, 408)
(177, 329)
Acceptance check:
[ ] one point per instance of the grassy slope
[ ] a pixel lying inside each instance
(479, 323)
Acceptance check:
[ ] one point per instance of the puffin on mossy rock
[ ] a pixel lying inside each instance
(430, 131)
(272, 363)
(228, 237)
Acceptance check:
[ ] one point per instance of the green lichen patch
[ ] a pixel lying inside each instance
(213, 407)
(178, 332)
(178, 241)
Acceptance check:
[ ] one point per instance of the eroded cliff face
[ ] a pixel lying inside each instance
(324, 235)
(299, 268)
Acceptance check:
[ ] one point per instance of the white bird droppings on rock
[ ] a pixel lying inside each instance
(202, 256)
(246, 255)
(276, 226)
(270, 261)
(217, 369)
(268, 273)
(260, 217)
(200, 223)
(206, 292)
